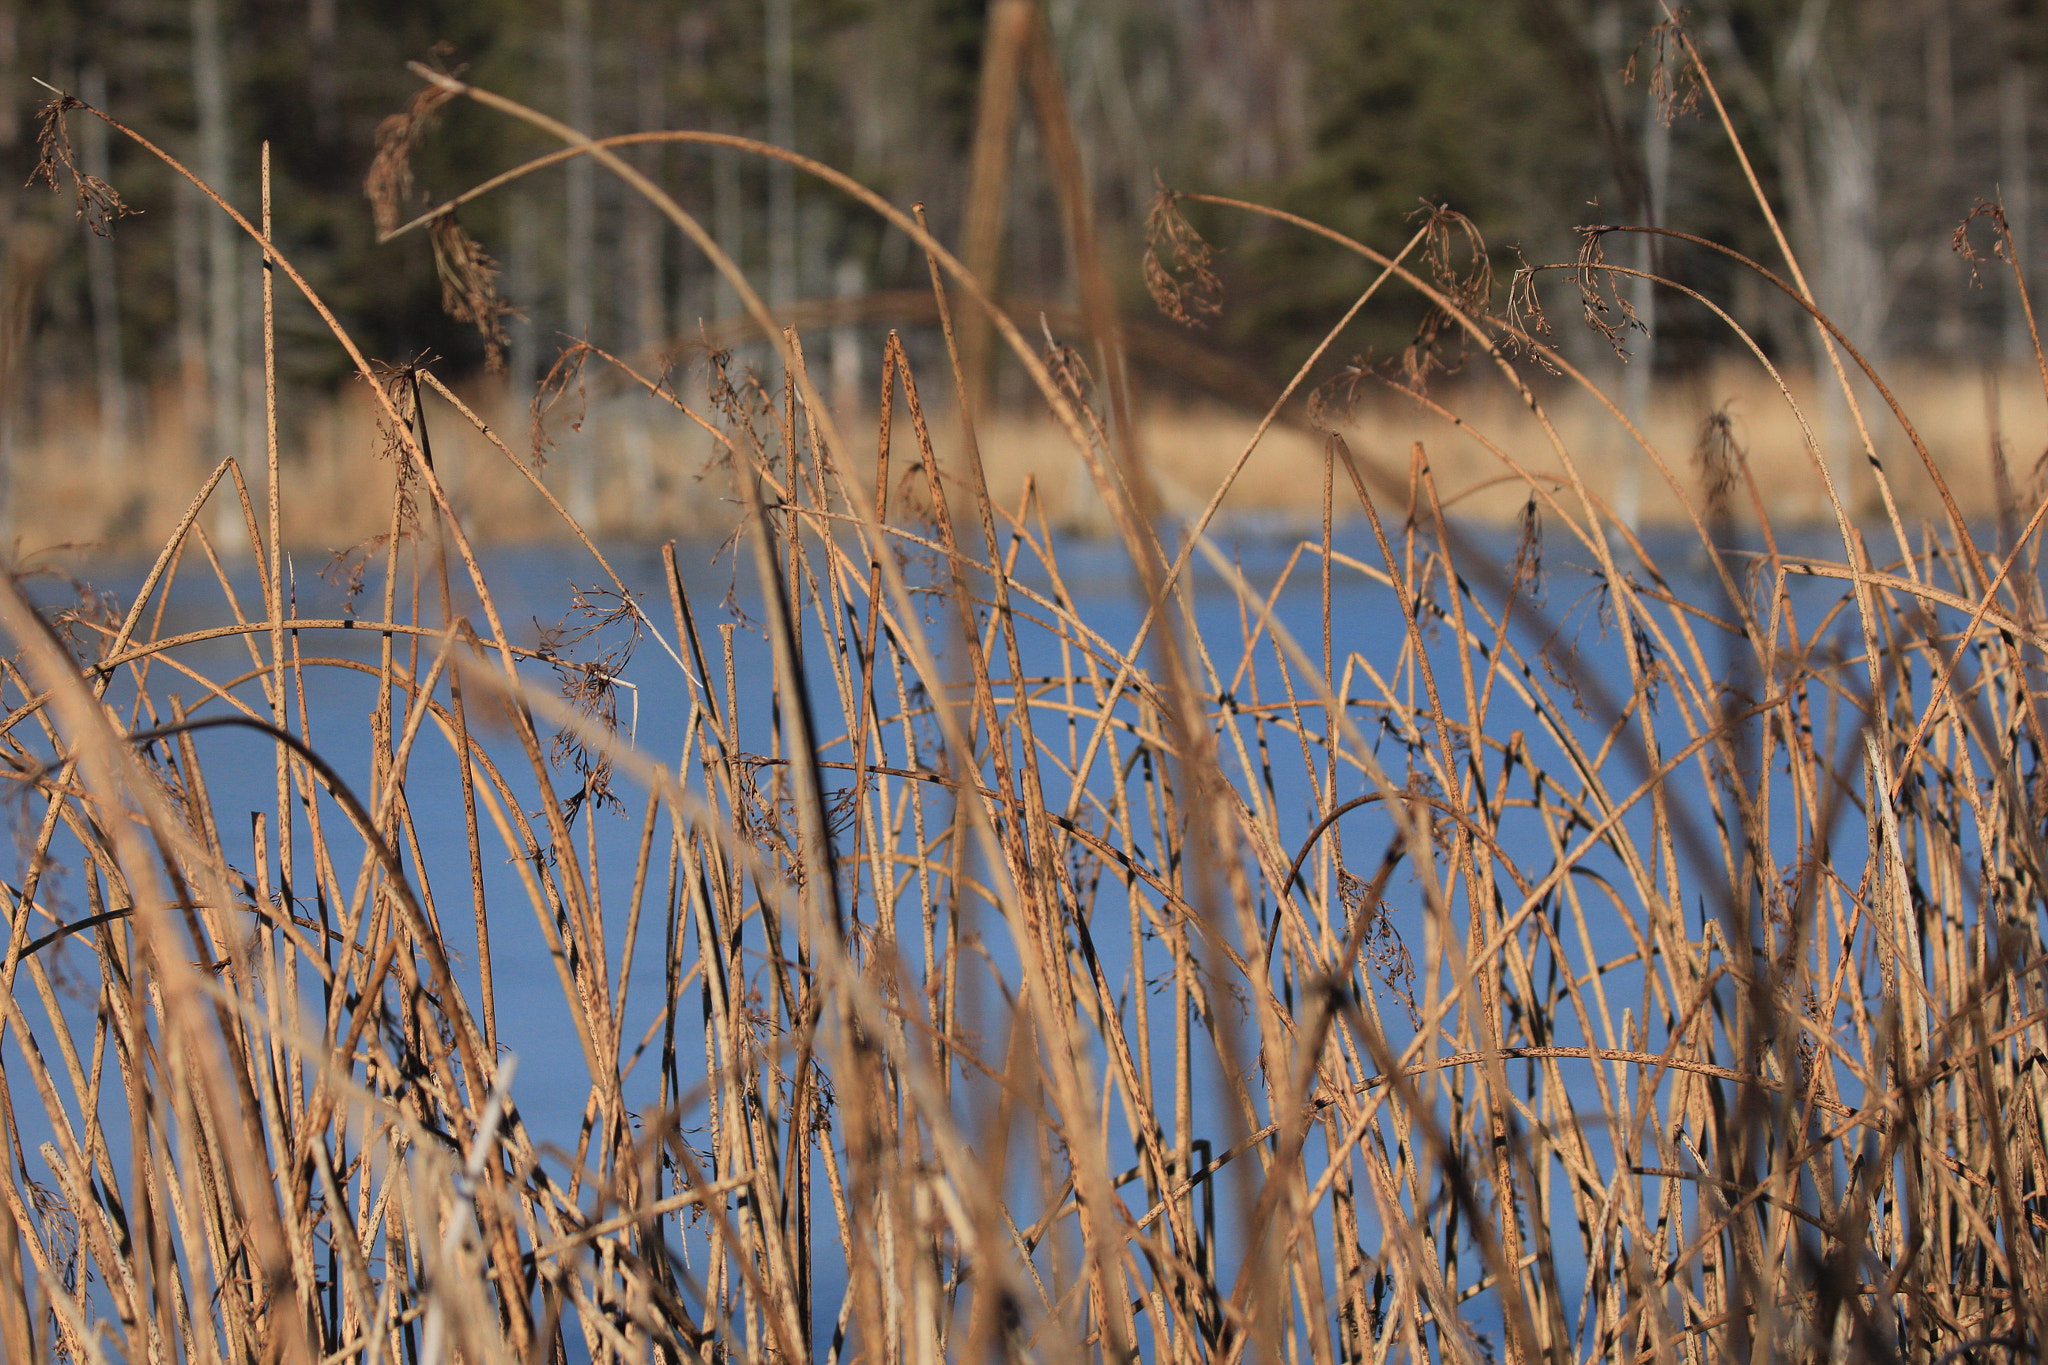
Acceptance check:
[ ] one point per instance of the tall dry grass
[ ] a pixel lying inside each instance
(978, 987)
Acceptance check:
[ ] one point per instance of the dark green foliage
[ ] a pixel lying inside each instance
(1354, 114)
(1455, 103)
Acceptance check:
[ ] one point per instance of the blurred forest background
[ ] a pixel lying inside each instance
(1875, 124)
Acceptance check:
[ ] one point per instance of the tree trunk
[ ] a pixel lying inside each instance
(781, 50)
(10, 72)
(582, 181)
(582, 240)
(1941, 168)
(321, 83)
(102, 283)
(1639, 383)
(850, 281)
(29, 247)
(523, 362)
(729, 216)
(224, 426)
(2016, 189)
(645, 304)
(694, 303)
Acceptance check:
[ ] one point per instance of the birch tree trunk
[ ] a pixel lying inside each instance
(224, 427)
(1827, 151)
(1639, 382)
(693, 302)
(582, 182)
(2016, 189)
(1941, 170)
(645, 304)
(781, 50)
(521, 283)
(580, 454)
(29, 246)
(849, 283)
(102, 283)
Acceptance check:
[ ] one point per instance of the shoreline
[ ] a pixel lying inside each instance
(72, 495)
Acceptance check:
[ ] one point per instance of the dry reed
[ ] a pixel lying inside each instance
(1679, 999)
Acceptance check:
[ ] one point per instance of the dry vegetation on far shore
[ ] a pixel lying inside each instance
(657, 482)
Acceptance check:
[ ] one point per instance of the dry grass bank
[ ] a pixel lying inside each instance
(656, 474)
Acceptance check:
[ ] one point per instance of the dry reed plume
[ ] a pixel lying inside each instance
(978, 988)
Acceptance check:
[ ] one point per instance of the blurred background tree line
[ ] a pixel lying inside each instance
(1875, 126)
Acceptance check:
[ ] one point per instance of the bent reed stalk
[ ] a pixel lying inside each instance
(993, 971)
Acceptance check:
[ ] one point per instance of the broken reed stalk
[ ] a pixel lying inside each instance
(1678, 1002)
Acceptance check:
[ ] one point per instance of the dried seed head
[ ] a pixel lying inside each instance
(2001, 240)
(591, 687)
(1467, 288)
(1527, 322)
(564, 375)
(389, 184)
(1068, 368)
(469, 287)
(1525, 307)
(1526, 575)
(1675, 81)
(98, 206)
(400, 385)
(1382, 947)
(1447, 235)
(1188, 290)
(1606, 308)
(1716, 455)
(1334, 402)
(348, 570)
